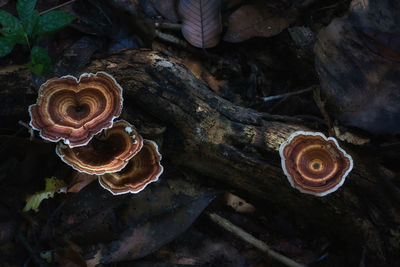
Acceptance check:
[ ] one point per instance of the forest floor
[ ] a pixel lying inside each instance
(218, 93)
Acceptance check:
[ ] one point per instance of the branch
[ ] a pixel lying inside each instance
(239, 232)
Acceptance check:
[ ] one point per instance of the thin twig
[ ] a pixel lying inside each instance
(239, 232)
(269, 98)
(168, 26)
(396, 143)
(170, 38)
(271, 109)
(57, 7)
(96, 4)
(328, 7)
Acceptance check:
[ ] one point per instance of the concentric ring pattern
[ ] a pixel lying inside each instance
(313, 163)
(107, 152)
(141, 170)
(74, 110)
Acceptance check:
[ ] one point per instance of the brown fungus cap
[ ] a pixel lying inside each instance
(107, 152)
(75, 110)
(141, 170)
(313, 163)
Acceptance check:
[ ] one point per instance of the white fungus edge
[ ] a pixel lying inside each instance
(289, 177)
(91, 173)
(128, 129)
(62, 157)
(66, 140)
(152, 181)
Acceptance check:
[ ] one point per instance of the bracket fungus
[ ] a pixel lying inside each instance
(75, 110)
(106, 152)
(141, 170)
(313, 163)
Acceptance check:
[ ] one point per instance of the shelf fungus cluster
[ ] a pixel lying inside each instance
(81, 113)
(313, 163)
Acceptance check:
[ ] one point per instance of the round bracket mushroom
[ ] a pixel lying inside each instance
(105, 153)
(142, 169)
(313, 163)
(74, 110)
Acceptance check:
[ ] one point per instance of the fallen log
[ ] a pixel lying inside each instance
(214, 138)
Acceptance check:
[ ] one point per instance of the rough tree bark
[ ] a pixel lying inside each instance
(233, 145)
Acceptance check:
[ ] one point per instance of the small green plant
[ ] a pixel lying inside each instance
(52, 186)
(28, 30)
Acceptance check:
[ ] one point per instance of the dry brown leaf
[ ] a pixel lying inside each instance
(201, 22)
(109, 229)
(350, 137)
(70, 256)
(254, 21)
(201, 73)
(383, 43)
(355, 57)
(166, 9)
(79, 181)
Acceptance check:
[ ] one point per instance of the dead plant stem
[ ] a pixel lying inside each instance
(269, 98)
(57, 7)
(239, 232)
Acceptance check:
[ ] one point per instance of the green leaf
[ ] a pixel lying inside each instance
(40, 61)
(53, 21)
(52, 186)
(30, 26)
(35, 68)
(25, 8)
(11, 28)
(28, 15)
(6, 45)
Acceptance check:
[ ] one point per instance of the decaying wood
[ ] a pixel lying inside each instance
(233, 145)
